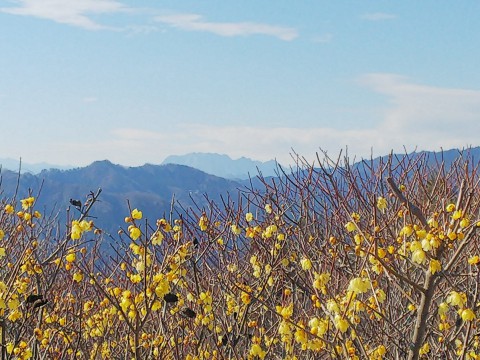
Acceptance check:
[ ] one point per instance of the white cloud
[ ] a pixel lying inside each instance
(378, 16)
(413, 116)
(71, 12)
(426, 116)
(194, 22)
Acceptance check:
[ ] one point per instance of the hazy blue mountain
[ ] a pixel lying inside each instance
(224, 166)
(447, 157)
(152, 187)
(13, 165)
(148, 187)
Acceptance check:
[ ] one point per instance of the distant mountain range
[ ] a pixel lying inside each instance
(151, 188)
(224, 166)
(210, 163)
(15, 165)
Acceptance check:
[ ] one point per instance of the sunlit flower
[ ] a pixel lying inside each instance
(136, 214)
(249, 217)
(306, 264)
(9, 209)
(256, 350)
(425, 349)
(467, 315)
(418, 256)
(381, 203)
(321, 280)
(340, 323)
(359, 285)
(474, 260)
(70, 257)
(157, 237)
(76, 230)
(350, 226)
(450, 207)
(457, 299)
(464, 222)
(78, 276)
(27, 203)
(235, 229)
(203, 222)
(268, 209)
(443, 308)
(457, 214)
(435, 265)
(407, 230)
(134, 232)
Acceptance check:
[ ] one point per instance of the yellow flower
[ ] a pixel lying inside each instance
(15, 315)
(474, 260)
(321, 280)
(249, 217)
(442, 308)
(381, 203)
(78, 276)
(425, 349)
(157, 237)
(432, 223)
(70, 257)
(340, 323)
(203, 223)
(76, 230)
(9, 209)
(135, 232)
(245, 297)
(407, 230)
(136, 214)
(256, 350)
(457, 299)
(350, 226)
(268, 209)
(2, 252)
(27, 203)
(464, 222)
(435, 265)
(381, 350)
(359, 285)
(306, 264)
(418, 256)
(450, 207)
(2, 234)
(457, 214)
(236, 229)
(467, 315)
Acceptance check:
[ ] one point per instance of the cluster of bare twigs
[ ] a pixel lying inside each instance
(377, 260)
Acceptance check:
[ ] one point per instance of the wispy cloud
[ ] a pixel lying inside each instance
(194, 22)
(75, 13)
(378, 16)
(414, 116)
(425, 116)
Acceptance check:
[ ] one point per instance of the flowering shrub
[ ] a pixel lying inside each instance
(378, 261)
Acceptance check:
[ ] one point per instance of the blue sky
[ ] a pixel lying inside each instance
(136, 81)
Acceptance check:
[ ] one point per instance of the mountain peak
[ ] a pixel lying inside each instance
(223, 165)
